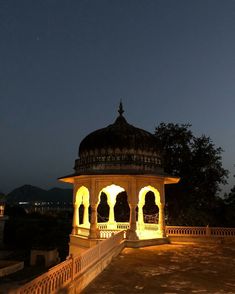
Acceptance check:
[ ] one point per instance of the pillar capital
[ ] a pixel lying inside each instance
(133, 204)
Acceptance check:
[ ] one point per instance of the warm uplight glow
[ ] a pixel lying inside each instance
(145, 190)
(150, 233)
(112, 191)
(82, 196)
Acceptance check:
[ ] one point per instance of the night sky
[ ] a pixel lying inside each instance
(65, 65)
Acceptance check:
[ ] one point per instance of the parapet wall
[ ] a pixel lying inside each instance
(10, 267)
(91, 273)
(198, 239)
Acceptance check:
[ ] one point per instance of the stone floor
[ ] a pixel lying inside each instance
(171, 268)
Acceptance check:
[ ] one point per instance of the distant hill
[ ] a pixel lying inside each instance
(28, 193)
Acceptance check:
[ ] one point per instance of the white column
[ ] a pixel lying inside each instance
(161, 221)
(86, 214)
(111, 200)
(111, 223)
(75, 218)
(140, 217)
(111, 213)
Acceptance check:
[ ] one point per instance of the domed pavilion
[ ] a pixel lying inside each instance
(120, 164)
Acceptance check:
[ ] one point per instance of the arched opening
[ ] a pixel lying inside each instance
(148, 212)
(107, 204)
(103, 209)
(121, 208)
(81, 210)
(150, 209)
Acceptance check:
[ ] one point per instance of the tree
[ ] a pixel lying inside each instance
(230, 208)
(196, 160)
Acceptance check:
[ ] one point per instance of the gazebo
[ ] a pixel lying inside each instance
(119, 160)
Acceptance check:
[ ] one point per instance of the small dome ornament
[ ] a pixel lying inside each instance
(120, 110)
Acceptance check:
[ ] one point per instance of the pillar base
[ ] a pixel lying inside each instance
(75, 231)
(86, 225)
(162, 233)
(94, 234)
(131, 235)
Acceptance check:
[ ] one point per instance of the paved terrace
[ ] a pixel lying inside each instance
(171, 268)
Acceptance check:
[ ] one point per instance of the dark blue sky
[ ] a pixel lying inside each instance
(64, 65)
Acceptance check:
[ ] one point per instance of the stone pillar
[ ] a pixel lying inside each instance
(75, 218)
(161, 221)
(94, 231)
(111, 223)
(111, 213)
(131, 233)
(86, 214)
(140, 217)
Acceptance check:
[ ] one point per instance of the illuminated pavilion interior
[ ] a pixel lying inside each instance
(118, 163)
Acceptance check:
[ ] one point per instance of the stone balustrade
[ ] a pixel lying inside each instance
(64, 273)
(222, 232)
(200, 231)
(49, 282)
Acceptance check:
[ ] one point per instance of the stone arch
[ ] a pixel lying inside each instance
(82, 195)
(122, 208)
(145, 190)
(103, 208)
(81, 204)
(111, 191)
(142, 198)
(150, 208)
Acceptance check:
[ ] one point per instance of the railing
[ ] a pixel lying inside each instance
(123, 226)
(185, 231)
(49, 282)
(119, 226)
(105, 234)
(102, 226)
(62, 274)
(222, 232)
(200, 231)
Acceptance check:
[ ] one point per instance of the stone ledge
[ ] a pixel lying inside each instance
(147, 242)
(201, 239)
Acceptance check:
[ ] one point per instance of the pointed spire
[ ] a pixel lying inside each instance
(120, 110)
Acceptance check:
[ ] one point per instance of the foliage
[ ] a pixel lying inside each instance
(196, 160)
(27, 231)
(2, 196)
(230, 207)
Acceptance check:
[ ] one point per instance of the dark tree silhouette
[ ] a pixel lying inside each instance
(196, 160)
(230, 208)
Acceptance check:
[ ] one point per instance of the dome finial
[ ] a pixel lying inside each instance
(120, 110)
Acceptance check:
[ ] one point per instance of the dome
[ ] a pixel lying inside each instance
(118, 148)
